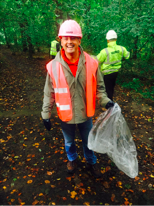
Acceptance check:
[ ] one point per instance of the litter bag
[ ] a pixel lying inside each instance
(111, 135)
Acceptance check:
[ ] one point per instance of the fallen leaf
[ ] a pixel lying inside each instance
(129, 190)
(68, 178)
(35, 202)
(112, 197)
(83, 192)
(136, 178)
(1, 140)
(13, 191)
(29, 181)
(47, 182)
(73, 194)
(41, 194)
(119, 183)
(126, 202)
(86, 203)
(128, 186)
(102, 171)
(64, 160)
(9, 137)
(106, 185)
(49, 173)
(108, 168)
(76, 198)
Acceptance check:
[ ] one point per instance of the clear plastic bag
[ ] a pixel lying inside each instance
(111, 135)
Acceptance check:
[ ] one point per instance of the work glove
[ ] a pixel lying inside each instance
(47, 124)
(109, 104)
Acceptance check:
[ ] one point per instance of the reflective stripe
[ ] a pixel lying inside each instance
(60, 90)
(108, 57)
(122, 50)
(57, 104)
(110, 70)
(53, 49)
(55, 74)
(54, 71)
(112, 62)
(63, 107)
(107, 52)
(127, 54)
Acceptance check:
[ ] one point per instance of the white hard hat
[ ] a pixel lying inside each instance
(111, 34)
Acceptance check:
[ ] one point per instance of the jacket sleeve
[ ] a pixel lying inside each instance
(126, 53)
(101, 56)
(49, 98)
(101, 94)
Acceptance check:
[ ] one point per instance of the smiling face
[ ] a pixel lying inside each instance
(70, 44)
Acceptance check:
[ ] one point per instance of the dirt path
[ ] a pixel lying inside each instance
(33, 160)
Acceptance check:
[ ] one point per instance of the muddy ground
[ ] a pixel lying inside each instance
(33, 160)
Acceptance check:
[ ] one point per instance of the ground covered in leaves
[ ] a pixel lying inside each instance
(33, 160)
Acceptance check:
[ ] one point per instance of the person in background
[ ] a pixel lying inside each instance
(55, 47)
(111, 61)
(74, 82)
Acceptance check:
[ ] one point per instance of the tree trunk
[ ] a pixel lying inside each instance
(6, 39)
(135, 48)
(30, 47)
(23, 37)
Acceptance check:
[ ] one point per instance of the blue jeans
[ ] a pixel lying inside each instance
(69, 136)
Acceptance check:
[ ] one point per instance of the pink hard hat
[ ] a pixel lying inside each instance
(70, 28)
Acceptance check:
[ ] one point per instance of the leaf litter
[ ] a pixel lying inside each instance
(33, 160)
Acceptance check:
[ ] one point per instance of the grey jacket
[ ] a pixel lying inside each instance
(77, 87)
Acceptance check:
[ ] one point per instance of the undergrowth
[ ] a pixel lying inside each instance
(140, 83)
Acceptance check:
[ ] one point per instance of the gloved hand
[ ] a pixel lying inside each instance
(109, 104)
(47, 124)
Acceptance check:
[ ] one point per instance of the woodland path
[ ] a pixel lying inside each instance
(33, 160)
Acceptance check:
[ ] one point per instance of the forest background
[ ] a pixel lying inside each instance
(31, 25)
(33, 160)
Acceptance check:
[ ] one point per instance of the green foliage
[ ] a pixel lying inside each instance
(39, 22)
(134, 82)
(31, 24)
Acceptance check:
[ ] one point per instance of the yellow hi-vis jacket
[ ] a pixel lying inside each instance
(111, 57)
(53, 50)
(61, 89)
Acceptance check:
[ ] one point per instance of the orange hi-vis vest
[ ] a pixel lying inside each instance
(61, 88)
